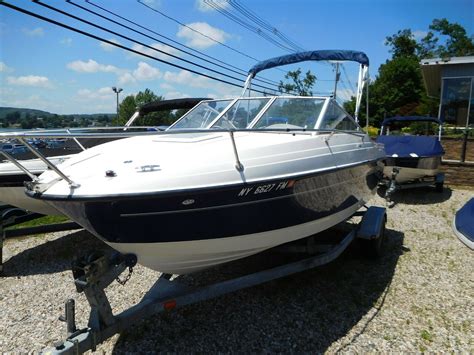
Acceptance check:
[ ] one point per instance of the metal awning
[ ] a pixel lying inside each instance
(431, 70)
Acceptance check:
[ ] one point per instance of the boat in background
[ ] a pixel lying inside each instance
(13, 177)
(229, 179)
(463, 224)
(411, 160)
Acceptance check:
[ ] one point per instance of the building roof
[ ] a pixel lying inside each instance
(432, 71)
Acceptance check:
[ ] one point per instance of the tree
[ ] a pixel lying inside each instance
(403, 44)
(131, 103)
(398, 88)
(298, 85)
(458, 44)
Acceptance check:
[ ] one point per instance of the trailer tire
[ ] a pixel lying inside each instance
(439, 186)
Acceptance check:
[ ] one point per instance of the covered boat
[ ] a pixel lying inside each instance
(411, 158)
(229, 179)
(463, 224)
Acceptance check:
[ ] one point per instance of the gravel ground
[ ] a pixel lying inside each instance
(418, 297)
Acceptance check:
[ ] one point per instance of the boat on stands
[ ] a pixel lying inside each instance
(229, 179)
(13, 176)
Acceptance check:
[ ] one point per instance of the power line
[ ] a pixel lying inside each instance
(57, 23)
(246, 25)
(262, 79)
(248, 14)
(141, 43)
(192, 29)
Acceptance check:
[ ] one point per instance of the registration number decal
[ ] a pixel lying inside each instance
(263, 189)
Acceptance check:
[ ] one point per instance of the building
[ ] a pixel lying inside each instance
(452, 81)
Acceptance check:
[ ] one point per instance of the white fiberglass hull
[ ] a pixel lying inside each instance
(15, 196)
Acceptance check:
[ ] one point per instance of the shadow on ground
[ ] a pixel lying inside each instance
(418, 196)
(305, 312)
(52, 256)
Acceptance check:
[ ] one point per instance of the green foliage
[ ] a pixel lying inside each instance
(458, 44)
(371, 131)
(131, 103)
(403, 44)
(398, 88)
(298, 85)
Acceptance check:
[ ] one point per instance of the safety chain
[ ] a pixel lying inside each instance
(128, 277)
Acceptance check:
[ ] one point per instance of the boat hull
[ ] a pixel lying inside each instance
(187, 231)
(15, 196)
(412, 169)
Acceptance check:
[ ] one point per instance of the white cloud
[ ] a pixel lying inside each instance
(204, 7)
(107, 46)
(103, 94)
(143, 72)
(196, 40)
(36, 32)
(186, 78)
(146, 72)
(30, 80)
(91, 66)
(166, 86)
(5, 68)
(66, 42)
(153, 53)
(126, 78)
(419, 34)
(218, 90)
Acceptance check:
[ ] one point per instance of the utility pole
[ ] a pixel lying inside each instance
(117, 91)
(338, 75)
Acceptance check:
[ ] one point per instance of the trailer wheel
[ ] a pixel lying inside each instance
(439, 186)
(373, 248)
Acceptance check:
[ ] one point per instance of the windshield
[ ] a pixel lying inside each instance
(291, 113)
(242, 113)
(202, 115)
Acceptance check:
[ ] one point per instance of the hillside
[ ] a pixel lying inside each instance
(12, 117)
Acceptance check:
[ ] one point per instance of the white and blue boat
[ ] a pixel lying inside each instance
(229, 179)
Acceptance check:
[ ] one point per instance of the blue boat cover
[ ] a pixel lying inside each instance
(388, 121)
(404, 146)
(348, 55)
(464, 220)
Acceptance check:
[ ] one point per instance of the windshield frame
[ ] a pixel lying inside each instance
(209, 125)
(270, 103)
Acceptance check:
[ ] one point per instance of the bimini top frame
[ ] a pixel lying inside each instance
(320, 55)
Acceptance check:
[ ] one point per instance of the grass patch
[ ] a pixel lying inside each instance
(40, 221)
(426, 335)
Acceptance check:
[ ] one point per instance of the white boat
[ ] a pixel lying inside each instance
(264, 171)
(12, 177)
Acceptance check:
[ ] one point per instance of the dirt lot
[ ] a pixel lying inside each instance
(418, 297)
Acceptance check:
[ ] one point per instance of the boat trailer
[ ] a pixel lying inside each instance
(93, 274)
(393, 186)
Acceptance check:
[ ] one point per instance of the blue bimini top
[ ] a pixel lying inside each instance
(411, 146)
(464, 222)
(389, 121)
(320, 55)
